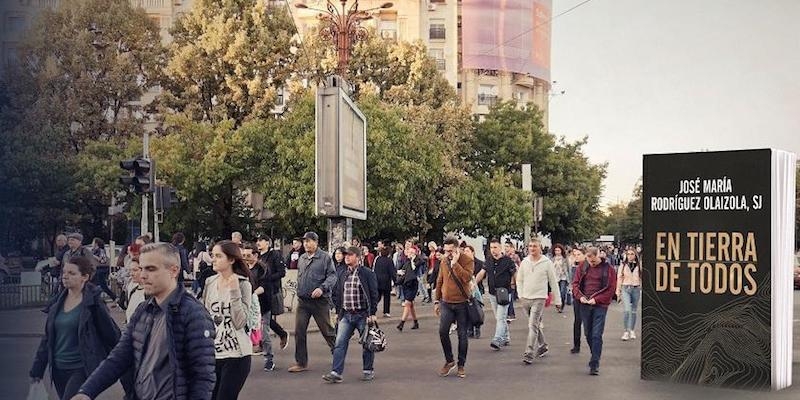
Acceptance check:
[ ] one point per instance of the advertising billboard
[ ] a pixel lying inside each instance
(341, 156)
(507, 35)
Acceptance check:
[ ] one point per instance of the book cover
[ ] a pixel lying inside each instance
(707, 288)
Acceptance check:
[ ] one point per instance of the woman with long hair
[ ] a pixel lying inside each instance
(338, 258)
(79, 332)
(561, 268)
(629, 290)
(407, 277)
(385, 272)
(227, 296)
(134, 290)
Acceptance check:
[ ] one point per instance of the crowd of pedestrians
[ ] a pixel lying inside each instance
(199, 343)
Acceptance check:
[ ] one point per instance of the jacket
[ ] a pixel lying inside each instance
(369, 287)
(385, 272)
(272, 270)
(447, 289)
(97, 333)
(534, 277)
(603, 296)
(499, 273)
(626, 277)
(411, 275)
(191, 354)
(315, 271)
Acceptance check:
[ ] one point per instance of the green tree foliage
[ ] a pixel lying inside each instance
(624, 220)
(502, 141)
(66, 107)
(227, 61)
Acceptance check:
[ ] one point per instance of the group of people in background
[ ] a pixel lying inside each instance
(198, 343)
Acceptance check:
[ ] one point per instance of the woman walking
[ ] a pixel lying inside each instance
(79, 332)
(227, 296)
(561, 267)
(386, 273)
(407, 278)
(629, 290)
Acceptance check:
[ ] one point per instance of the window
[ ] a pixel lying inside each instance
(388, 29)
(15, 24)
(436, 30)
(438, 56)
(487, 95)
(10, 55)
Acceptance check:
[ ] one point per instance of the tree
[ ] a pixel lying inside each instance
(624, 220)
(228, 60)
(82, 68)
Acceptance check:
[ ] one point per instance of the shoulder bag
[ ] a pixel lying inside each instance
(474, 306)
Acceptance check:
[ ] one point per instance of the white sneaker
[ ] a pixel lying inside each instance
(633, 335)
(625, 336)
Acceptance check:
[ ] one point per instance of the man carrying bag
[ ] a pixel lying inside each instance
(453, 304)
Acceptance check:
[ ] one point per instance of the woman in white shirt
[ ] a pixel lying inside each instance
(227, 297)
(134, 290)
(629, 290)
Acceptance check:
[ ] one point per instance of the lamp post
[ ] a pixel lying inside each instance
(343, 27)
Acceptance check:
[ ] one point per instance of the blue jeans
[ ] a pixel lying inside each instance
(349, 323)
(566, 297)
(266, 340)
(630, 302)
(594, 323)
(501, 323)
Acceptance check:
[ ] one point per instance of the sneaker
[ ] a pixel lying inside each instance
(332, 377)
(368, 376)
(387, 315)
(575, 350)
(542, 351)
(594, 371)
(633, 335)
(527, 359)
(269, 365)
(507, 343)
(298, 368)
(494, 345)
(461, 372)
(626, 336)
(447, 369)
(284, 341)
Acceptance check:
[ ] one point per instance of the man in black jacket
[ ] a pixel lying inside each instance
(499, 272)
(355, 297)
(386, 273)
(269, 285)
(169, 342)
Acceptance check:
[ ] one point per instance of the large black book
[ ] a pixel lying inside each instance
(718, 250)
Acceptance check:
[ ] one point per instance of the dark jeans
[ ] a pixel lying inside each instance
(457, 313)
(231, 375)
(594, 323)
(576, 324)
(386, 295)
(512, 295)
(307, 308)
(277, 328)
(348, 324)
(101, 279)
(68, 381)
(566, 298)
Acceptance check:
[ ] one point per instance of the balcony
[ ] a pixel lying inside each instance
(524, 80)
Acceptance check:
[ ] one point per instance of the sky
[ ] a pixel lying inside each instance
(656, 76)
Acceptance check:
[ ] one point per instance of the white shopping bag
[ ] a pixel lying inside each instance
(38, 392)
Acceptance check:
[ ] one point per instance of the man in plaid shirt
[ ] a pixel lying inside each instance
(356, 299)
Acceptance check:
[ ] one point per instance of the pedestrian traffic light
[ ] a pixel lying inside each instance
(140, 174)
(166, 197)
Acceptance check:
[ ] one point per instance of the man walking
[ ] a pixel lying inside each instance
(268, 287)
(535, 274)
(455, 273)
(356, 300)
(499, 272)
(594, 286)
(316, 278)
(169, 341)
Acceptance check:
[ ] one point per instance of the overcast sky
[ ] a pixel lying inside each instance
(661, 76)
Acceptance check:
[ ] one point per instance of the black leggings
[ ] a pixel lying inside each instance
(231, 375)
(68, 381)
(386, 294)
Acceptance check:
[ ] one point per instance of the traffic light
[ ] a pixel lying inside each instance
(140, 174)
(166, 197)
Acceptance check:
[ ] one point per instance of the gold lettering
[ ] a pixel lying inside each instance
(693, 266)
(723, 246)
(692, 238)
(706, 277)
(661, 277)
(660, 245)
(709, 254)
(674, 246)
(735, 278)
(750, 250)
(752, 287)
(673, 280)
(720, 281)
(736, 252)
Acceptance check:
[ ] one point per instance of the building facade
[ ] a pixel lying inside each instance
(488, 50)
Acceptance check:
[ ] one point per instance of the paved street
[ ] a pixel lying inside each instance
(407, 369)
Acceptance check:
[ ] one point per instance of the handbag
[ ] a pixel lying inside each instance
(502, 295)
(373, 339)
(276, 305)
(37, 391)
(256, 337)
(474, 306)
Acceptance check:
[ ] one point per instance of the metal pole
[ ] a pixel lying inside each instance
(145, 211)
(156, 237)
(527, 185)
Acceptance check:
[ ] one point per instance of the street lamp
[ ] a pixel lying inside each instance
(343, 27)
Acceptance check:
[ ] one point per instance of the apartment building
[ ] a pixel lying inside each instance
(488, 50)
